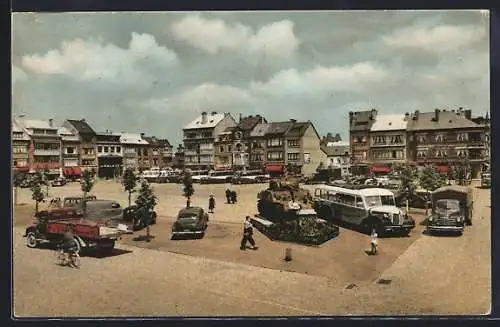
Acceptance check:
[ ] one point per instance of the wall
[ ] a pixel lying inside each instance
(311, 144)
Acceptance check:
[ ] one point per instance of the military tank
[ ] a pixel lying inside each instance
(282, 200)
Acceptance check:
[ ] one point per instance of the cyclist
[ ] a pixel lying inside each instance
(69, 245)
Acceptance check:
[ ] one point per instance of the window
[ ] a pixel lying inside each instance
(144, 152)
(396, 139)
(293, 156)
(440, 137)
(118, 149)
(275, 156)
(380, 139)
(106, 149)
(346, 199)
(421, 138)
(91, 151)
(112, 149)
(274, 142)
(462, 137)
(257, 145)
(19, 149)
(155, 162)
(462, 153)
(440, 153)
(257, 157)
(221, 148)
(206, 134)
(293, 143)
(17, 135)
(70, 150)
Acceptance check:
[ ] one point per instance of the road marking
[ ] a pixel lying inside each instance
(314, 313)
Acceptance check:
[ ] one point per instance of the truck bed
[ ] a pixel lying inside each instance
(84, 228)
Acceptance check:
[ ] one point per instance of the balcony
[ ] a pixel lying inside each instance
(47, 152)
(190, 153)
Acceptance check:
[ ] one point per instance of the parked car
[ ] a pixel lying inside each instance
(451, 210)
(59, 181)
(190, 221)
(131, 214)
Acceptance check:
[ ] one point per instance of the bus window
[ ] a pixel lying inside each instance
(317, 193)
(359, 202)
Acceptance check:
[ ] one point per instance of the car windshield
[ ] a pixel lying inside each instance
(377, 200)
(188, 216)
(445, 205)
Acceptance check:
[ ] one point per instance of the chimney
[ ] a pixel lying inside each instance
(436, 114)
(416, 114)
(351, 117)
(213, 113)
(241, 117)
(204, 117)
(142, 135)
(373, 114)
(468, 114)
(82, 120)
(293, 120)
(407, 115)
(51, 122)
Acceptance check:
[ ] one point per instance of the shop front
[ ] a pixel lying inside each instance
(109, 166)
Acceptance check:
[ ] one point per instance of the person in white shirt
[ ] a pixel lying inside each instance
(247, 235)
(374, 241)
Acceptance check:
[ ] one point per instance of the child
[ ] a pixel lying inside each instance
(374, 242)
(211, 204)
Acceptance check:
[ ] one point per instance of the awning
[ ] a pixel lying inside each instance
(68, 171)
(23, 169)
(275, 168)
(380, 169)
(77, 171)
(441, 169)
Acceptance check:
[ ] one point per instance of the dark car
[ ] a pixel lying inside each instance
(59, 181)
(190, 221)
(132, 214)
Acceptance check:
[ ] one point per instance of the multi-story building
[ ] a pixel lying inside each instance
(447, 139)
(20, 149)
(87, 157)
(178, 160)
(258, 149)
(134, 150)
(160, 152)
(360, 124)
(70, 157)
(199, 138)
(303, 148)
(338, 156)
(388, 141)
(109, 154)
(45, 145)
(232, 146)
(275, 139)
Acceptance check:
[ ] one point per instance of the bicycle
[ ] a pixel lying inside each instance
(71, 259)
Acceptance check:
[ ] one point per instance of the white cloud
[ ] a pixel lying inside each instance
(92, 59)
(206, 96)
(355, 78)
(18, 74)
(441, 38)
(214, 35)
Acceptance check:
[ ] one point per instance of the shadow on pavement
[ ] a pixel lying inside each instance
(143, 238)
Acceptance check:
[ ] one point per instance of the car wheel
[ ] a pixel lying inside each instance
(31, 240)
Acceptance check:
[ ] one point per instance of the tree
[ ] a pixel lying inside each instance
(45, 180)
(129, 182)
(188, 190)
(145, 202)
(430, 179)
(408, 175)
(337, 138)
(86, 184)
(36, 189)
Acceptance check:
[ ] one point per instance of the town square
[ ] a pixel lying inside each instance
(230, 164)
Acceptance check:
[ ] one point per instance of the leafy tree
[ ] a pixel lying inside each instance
(86, 184)
(408, 175)
(129, 182)
(337, 138)
(430, 179)
(188, 190)
(145, 202)
(36, 189)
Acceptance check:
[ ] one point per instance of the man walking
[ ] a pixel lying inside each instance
(247, 235)
(233, 197)
(228, 195)
(211, 204)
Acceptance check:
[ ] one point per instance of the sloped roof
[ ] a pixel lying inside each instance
(212, 120)
(390, 122)
(339, 143)
(152, 140)
(447, 120)
(16, 127)
(260, 130)
(361, 120)
(132, 138)
(332, 151)
(298, 129)
(66, 134)
(248, 123)
(279, 128)
(81, 126)
(64, 131)
(35, 124)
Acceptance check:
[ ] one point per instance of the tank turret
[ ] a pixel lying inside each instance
(283, 199)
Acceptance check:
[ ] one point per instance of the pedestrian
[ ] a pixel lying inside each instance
(228, 195)
(234, 197)
(211, 204)
(374, 242)
(247, 235)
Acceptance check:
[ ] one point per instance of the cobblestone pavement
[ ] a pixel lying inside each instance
(215, 278)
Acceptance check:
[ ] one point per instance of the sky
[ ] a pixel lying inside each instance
(155, 72)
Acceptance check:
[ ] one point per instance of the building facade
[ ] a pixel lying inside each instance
(199, 138)
(448, 139)
(109, 155)
(388, 139)
(360, 124)
(134, 151)
(44, 154)
(258, 148)
(70, 152)
(160, 152)
(338, 156)
(20, 149)
(233, 146)
(87, 156)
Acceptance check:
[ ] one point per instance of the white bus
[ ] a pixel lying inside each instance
(367, 208)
